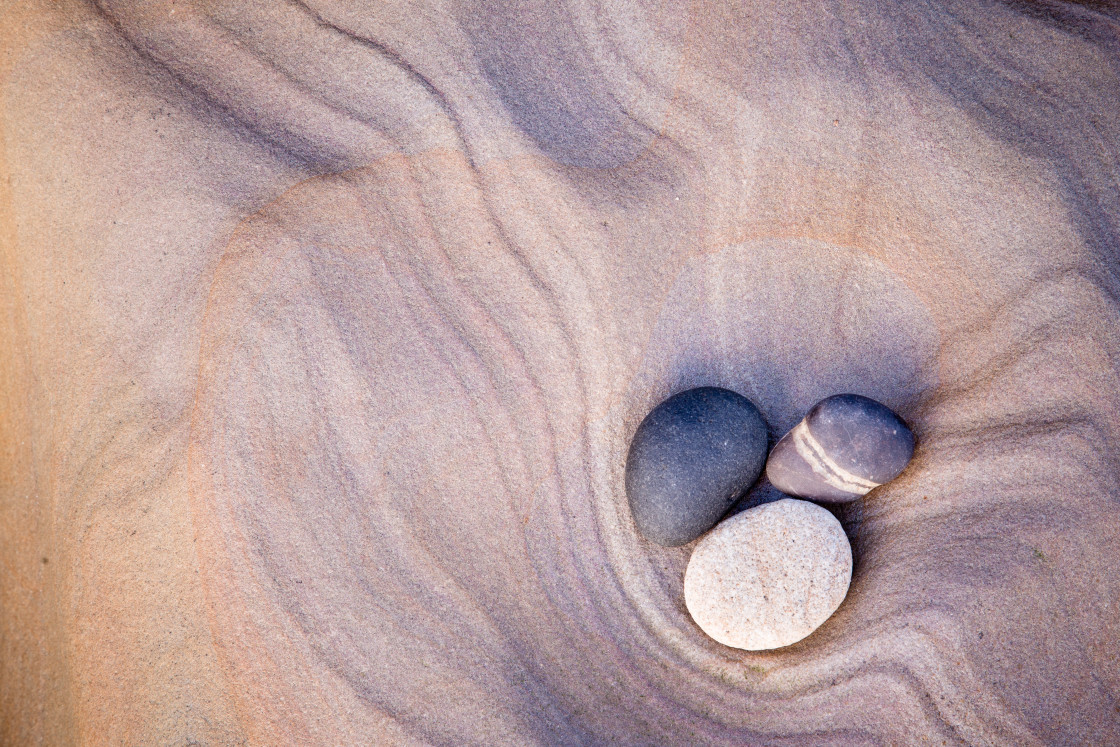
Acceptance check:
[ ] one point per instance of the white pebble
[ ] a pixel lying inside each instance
(769, 576)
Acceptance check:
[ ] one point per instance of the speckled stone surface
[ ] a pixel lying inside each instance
(691, 458)
(770, 576)
(845, 447)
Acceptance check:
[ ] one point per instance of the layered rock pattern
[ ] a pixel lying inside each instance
(326, 327)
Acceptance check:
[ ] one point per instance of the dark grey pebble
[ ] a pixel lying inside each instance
(846, 446)
(692, 457)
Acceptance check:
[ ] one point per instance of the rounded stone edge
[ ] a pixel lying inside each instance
(679, 541)
(730, 524)
(885, 414)
(846, 486)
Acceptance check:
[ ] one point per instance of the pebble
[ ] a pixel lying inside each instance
(769, 576)
(846, 446)
(692, 457)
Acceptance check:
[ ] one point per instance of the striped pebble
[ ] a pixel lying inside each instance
(845, 447)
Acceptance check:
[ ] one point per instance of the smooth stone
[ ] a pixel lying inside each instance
(845, 447)
(770, 576)
(691, 458)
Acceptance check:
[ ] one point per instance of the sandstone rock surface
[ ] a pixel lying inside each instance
(325, 327)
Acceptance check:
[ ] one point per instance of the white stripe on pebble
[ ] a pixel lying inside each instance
(809, 449)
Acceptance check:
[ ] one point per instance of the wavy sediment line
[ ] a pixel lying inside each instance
(479, 540)
(398, 577)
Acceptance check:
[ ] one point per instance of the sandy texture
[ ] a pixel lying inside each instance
(325, 327)
(769, 576)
